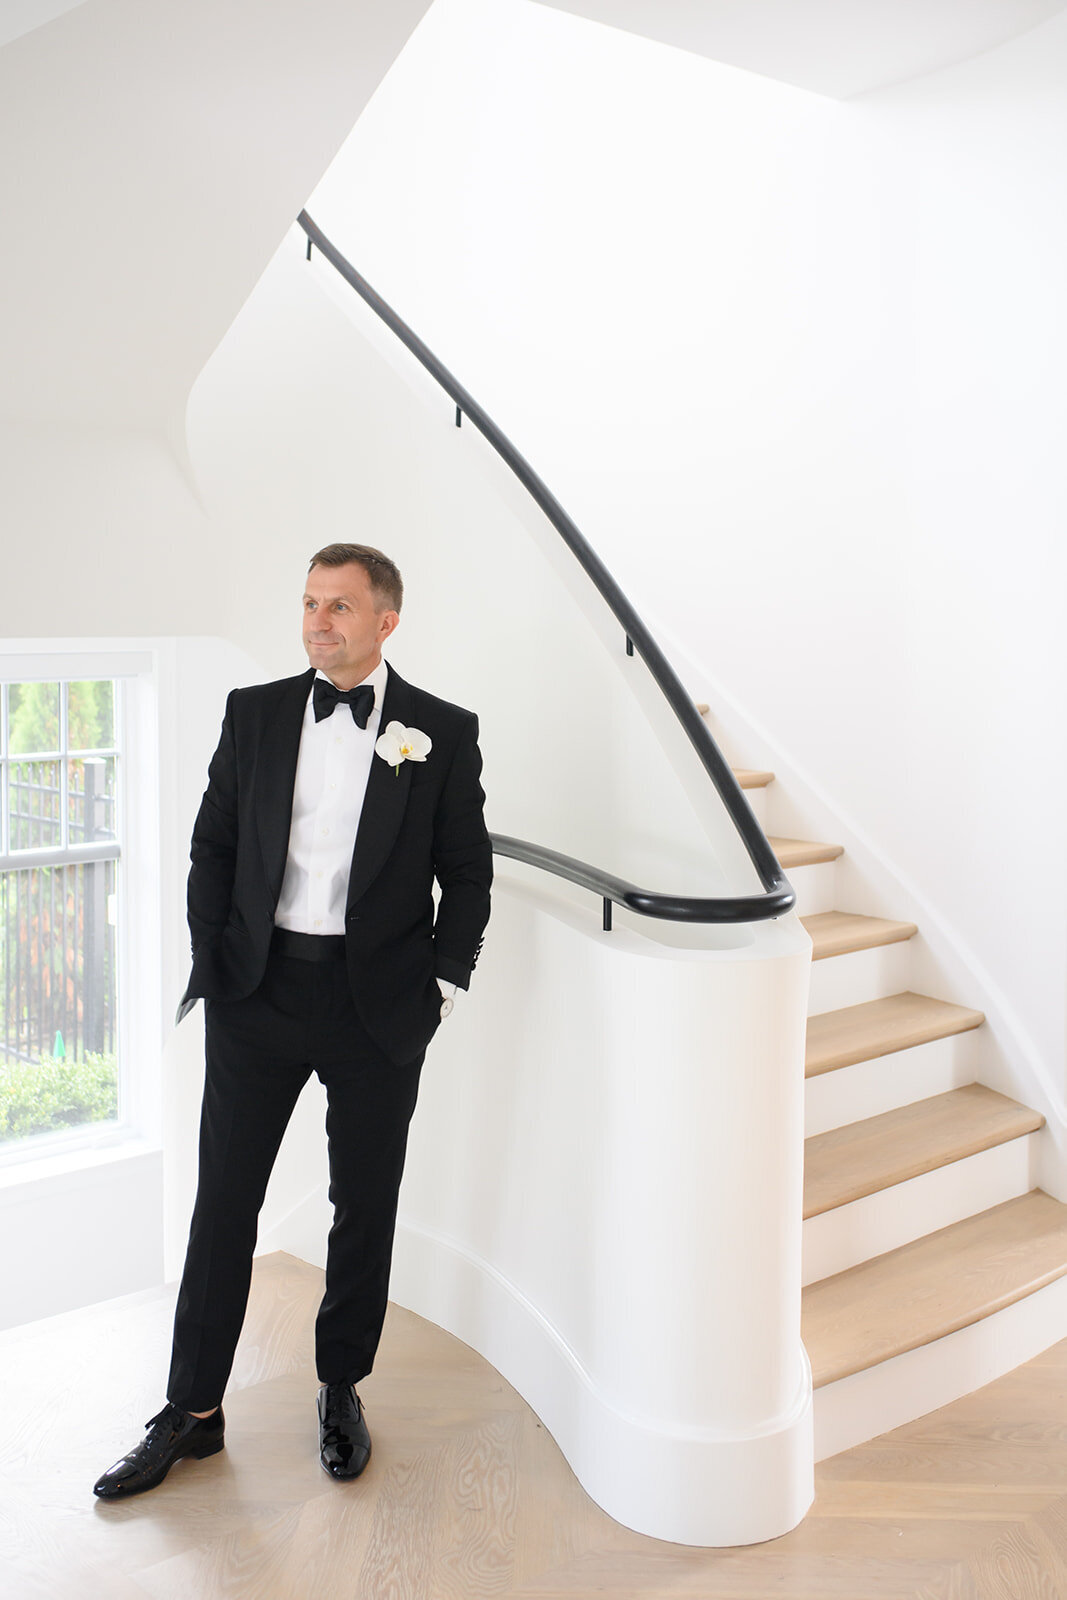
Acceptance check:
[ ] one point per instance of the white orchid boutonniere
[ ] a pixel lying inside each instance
(399, 744)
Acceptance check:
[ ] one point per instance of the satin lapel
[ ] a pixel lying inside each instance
(275, 777)
(386, 797)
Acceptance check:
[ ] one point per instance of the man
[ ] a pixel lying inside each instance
(333, 801)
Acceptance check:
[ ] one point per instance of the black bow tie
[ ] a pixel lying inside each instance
(359, 700)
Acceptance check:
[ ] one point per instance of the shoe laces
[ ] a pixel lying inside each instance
(342, 1403)
(162, 1429)
(172, 1416)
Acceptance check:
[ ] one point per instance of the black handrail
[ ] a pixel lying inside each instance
(648, 902)
(778, 896)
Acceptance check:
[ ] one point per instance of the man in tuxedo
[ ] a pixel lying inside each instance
(334, 800)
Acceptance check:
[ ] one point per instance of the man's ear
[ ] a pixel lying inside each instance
(388, 622)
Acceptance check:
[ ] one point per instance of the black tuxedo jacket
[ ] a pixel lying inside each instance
(417, 824)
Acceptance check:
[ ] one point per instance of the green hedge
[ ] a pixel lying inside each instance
(42, 1096)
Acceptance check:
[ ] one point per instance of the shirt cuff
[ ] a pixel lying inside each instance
(448, 990)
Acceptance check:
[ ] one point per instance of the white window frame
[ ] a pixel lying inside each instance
(134, 666)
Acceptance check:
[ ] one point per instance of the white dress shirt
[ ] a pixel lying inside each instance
(332, 770)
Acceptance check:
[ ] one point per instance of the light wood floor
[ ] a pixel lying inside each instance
(467, 1495)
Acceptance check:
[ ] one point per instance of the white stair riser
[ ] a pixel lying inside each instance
(869, 1087)
(842, 1238)
(860, 1407)
(757, 799)
(815, 887)
(848, 980)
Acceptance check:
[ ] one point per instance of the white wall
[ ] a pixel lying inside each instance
(153, 156)
(794, 367)
(301, 430)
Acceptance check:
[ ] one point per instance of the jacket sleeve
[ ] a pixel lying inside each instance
(463, 863)
(213, 851)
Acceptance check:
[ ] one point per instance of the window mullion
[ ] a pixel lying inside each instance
(64, 797)
(119, 740)
(5, 833)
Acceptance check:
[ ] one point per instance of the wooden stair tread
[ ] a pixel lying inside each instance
(838, 933)
(933, 1286)
(847, 1163)
(880, 1027)
(751, 778)
(804, 852)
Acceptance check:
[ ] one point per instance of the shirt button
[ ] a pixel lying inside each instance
(318, 874)
(325, 830)
(318, 922)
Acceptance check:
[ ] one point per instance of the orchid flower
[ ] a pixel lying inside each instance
(399, 744)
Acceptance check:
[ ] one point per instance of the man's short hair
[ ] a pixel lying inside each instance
(386, 583)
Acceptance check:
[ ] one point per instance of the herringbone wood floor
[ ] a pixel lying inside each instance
(467, 1495)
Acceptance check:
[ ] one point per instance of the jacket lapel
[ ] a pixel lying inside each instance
(274, 798)
(385, 799)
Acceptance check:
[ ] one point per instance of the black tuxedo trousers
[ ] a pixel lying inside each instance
(260, 1051)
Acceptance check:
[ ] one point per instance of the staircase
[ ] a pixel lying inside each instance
(931, 1262)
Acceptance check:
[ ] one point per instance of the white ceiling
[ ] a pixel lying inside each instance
(837, 48)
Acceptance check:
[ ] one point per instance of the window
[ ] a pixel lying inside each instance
(60, 849)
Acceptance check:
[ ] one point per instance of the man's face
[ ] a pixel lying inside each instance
(343, 633)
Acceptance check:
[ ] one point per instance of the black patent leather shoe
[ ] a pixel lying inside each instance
(172, 1434)
(344, 1442)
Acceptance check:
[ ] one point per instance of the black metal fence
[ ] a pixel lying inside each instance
(57, 936)
(35, 802)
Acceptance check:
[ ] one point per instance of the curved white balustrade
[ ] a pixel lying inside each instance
(603, 1197)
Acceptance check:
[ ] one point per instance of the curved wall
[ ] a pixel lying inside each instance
(603, 1198)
